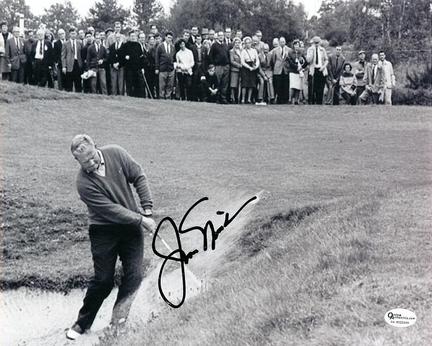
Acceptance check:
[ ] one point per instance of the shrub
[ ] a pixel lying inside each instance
(408, 96)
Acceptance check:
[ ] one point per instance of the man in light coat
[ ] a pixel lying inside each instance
(72, 62)
(5, 36)
(317, 58)
(281, 71)
(389, 77)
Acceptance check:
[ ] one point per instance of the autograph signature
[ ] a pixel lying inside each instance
(179, 255)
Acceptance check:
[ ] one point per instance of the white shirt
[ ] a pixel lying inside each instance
(185, 60)
(74, 47)
(167, 47)
(38, 55)
(101, 169)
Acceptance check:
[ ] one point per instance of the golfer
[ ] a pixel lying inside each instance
(116, 226)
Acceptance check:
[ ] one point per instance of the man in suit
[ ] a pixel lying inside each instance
(199, 68)
(145, 60)
(5, 36)
(116, 63)
(228, 39)
(88, 41)
(97, 57)
(152, 79)
(133, 66)
(192, 39)
(58, 45)
(28, 69)
(281, 71)
(16, 57)
(375, 83)
(72, 62)
(335, 69)
(219, 57)
(43, 58)
(164, 65)
(317, 59)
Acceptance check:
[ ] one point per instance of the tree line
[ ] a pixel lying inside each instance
(402, 25)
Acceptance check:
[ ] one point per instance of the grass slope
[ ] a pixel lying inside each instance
(343, 237)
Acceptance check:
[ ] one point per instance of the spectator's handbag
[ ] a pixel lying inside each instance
(251, 62)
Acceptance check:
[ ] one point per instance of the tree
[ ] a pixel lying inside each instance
(147, 11)
(104, 13)
(276, 17)
(61, 15)
(10, 9)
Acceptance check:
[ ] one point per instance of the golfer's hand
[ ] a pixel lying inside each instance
(64, 70)
(156, 71)
(148, 223)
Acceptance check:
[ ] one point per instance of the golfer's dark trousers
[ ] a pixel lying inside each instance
(107, 243)
(318, 87)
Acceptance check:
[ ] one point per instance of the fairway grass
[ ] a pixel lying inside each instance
(343, 236)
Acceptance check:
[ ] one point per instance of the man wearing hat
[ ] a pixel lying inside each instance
(359, 68)
(317, 58)
(4, 67)
(16, 56)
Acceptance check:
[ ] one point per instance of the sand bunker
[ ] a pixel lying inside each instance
(36, 317)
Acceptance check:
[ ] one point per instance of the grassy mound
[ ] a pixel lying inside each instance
(326, 280)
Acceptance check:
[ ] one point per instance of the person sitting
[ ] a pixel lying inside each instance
(348, 85)
(209, 84)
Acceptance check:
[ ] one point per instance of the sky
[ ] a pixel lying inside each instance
(37, 6)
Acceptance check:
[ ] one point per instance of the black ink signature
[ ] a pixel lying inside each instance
(179, 255)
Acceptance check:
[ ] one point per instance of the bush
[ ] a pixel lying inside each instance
(408, 96)
(420, 79)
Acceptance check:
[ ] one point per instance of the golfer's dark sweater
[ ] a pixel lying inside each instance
(109, 199)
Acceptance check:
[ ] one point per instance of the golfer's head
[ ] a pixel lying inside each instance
(84, 151)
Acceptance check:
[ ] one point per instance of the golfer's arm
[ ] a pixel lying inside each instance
(136, 176)
(107, 209)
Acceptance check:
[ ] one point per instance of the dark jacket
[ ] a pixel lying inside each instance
(294, 59)
(133, 51)
(58, 52)
(84, 55)
(116, 55)
(335, 66)
(48, 55)
(93, 57)
(219, 54)
(164, 62)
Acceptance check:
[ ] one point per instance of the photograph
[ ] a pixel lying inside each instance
(215, 172)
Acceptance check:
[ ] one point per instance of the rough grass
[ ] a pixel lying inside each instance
(327, 280)
(343, 237)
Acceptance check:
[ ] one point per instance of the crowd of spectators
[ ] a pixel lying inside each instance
(211, 66)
